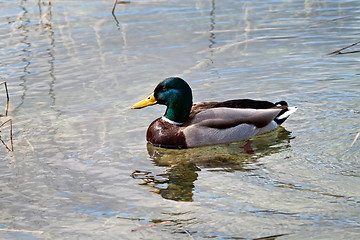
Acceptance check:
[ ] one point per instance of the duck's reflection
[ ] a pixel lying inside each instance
(177, 182)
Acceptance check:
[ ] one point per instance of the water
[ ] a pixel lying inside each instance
(81, 168)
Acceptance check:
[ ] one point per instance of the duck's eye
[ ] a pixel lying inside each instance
(163, 90)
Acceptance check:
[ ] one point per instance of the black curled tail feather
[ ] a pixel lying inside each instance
(281, 103)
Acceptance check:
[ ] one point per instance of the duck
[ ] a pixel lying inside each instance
(188, 125)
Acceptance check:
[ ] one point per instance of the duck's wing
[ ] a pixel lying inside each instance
(222, 117)
(222, 125)
(247, 104)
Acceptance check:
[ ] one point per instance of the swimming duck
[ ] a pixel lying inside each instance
(186, 125)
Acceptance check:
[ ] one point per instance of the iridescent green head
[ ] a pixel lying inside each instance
(176, 94)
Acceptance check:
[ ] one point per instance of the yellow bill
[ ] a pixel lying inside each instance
(150, 100)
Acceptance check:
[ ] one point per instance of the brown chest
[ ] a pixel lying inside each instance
(163, 134)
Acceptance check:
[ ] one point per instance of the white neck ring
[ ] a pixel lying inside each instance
(171, 121)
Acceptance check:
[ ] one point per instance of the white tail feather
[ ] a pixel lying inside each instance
(287, 113)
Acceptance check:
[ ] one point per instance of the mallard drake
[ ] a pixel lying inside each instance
(186, 125)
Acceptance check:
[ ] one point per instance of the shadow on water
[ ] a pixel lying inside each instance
(177, 181)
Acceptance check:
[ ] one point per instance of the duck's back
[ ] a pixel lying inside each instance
(238, 103)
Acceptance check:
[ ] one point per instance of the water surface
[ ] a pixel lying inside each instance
(81, 168)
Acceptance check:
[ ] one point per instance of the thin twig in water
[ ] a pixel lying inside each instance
(339, 51)
(150, 225)
(11, 138)
(7, 97)
(113, 9)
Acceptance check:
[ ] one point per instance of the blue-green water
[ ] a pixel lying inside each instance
(81, 168)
